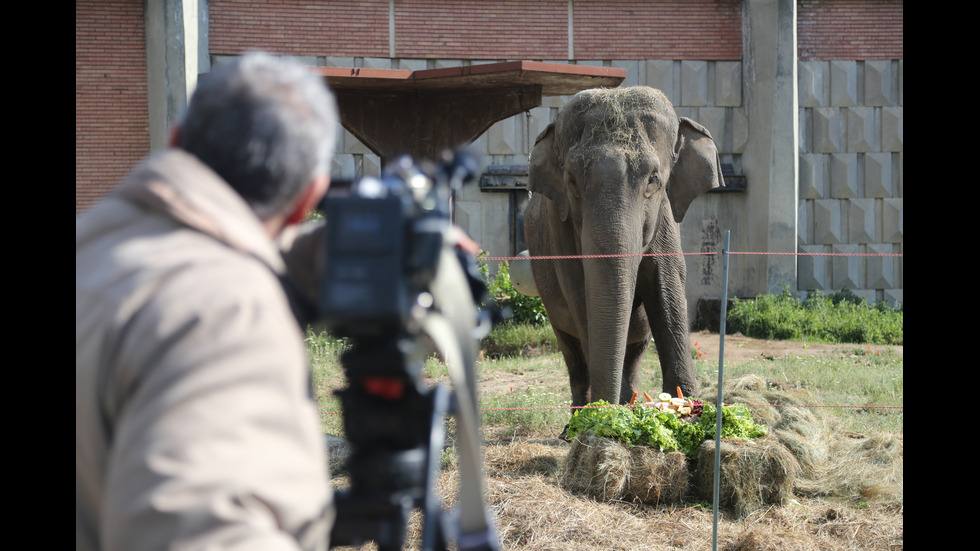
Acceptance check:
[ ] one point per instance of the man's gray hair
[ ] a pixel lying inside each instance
(266, 125)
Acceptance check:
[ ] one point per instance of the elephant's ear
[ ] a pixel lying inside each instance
(544, 175)
(697, 168)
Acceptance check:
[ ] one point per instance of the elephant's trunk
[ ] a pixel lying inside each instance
(610, 286)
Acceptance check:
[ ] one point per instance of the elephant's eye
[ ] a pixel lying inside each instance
(653, 184)
(572, 186)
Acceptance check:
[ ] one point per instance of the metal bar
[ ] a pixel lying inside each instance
(721, 380)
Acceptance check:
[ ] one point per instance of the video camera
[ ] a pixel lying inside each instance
(394, 284)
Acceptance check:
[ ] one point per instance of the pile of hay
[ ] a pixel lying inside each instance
(833, 462)
(806, 452)
(608, 470)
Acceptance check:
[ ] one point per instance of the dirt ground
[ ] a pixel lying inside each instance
(740, 349)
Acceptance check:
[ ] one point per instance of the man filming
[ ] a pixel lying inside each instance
(194, 421)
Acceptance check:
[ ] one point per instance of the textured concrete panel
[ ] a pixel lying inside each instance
(844, 175)
(862, 132)
(878, 175)
(692, 113)
(496, 237)
(694, 83)
(370, 165)
(892, 221)
(803, 223)
(353, 145)
(376, 63)
(892, 131)
(827, 229)
(894, 297)
(728, 83)
(813, 272)
(861, 221)
(879, 83)
(827, 134)
(804, 130)
(740, 131)
(713, 118)
(503, 137)
(898, 165)
(847, 270)
(814, 176)
(469, 217)
(901, 82)
(660, 75)
(882, 270)
(410, 64)
(445, 63)
(342, 167)
(339, 61)
(634, 71)
(843, 83)
(813, 83)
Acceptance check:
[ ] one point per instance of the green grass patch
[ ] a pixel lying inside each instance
(839, 318)
(519, 339)
(865, 382)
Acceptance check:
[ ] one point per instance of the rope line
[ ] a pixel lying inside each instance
(581, 256)
(628, 406)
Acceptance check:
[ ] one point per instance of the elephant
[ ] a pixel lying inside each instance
(614, 175)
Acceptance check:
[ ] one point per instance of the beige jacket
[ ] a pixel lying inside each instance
(194, 423)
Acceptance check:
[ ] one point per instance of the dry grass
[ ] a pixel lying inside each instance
(847, 492)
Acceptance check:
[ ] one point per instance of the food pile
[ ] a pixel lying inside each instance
(686, 409)
(666, 423)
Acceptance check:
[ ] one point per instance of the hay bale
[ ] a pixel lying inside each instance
(656, 477)
(598, 467)
(608, 470)
(754, 474)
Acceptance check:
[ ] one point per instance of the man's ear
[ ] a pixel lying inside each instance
(309, 199)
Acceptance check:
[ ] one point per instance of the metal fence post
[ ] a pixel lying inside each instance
(721, 379)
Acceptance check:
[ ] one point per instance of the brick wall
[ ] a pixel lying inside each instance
(111, 113)
(704, 30)
(481, 29)
(850, 29)
(299, 27)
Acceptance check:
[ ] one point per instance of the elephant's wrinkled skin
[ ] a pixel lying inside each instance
(613, 175)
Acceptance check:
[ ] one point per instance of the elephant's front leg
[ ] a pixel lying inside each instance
(578, 370)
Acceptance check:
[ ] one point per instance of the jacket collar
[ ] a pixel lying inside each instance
(177, 185)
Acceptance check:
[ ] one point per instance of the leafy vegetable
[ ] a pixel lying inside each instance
(661, 429)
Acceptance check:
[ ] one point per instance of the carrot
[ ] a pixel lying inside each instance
(679, 393)
(633, 399)
(649, 399)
